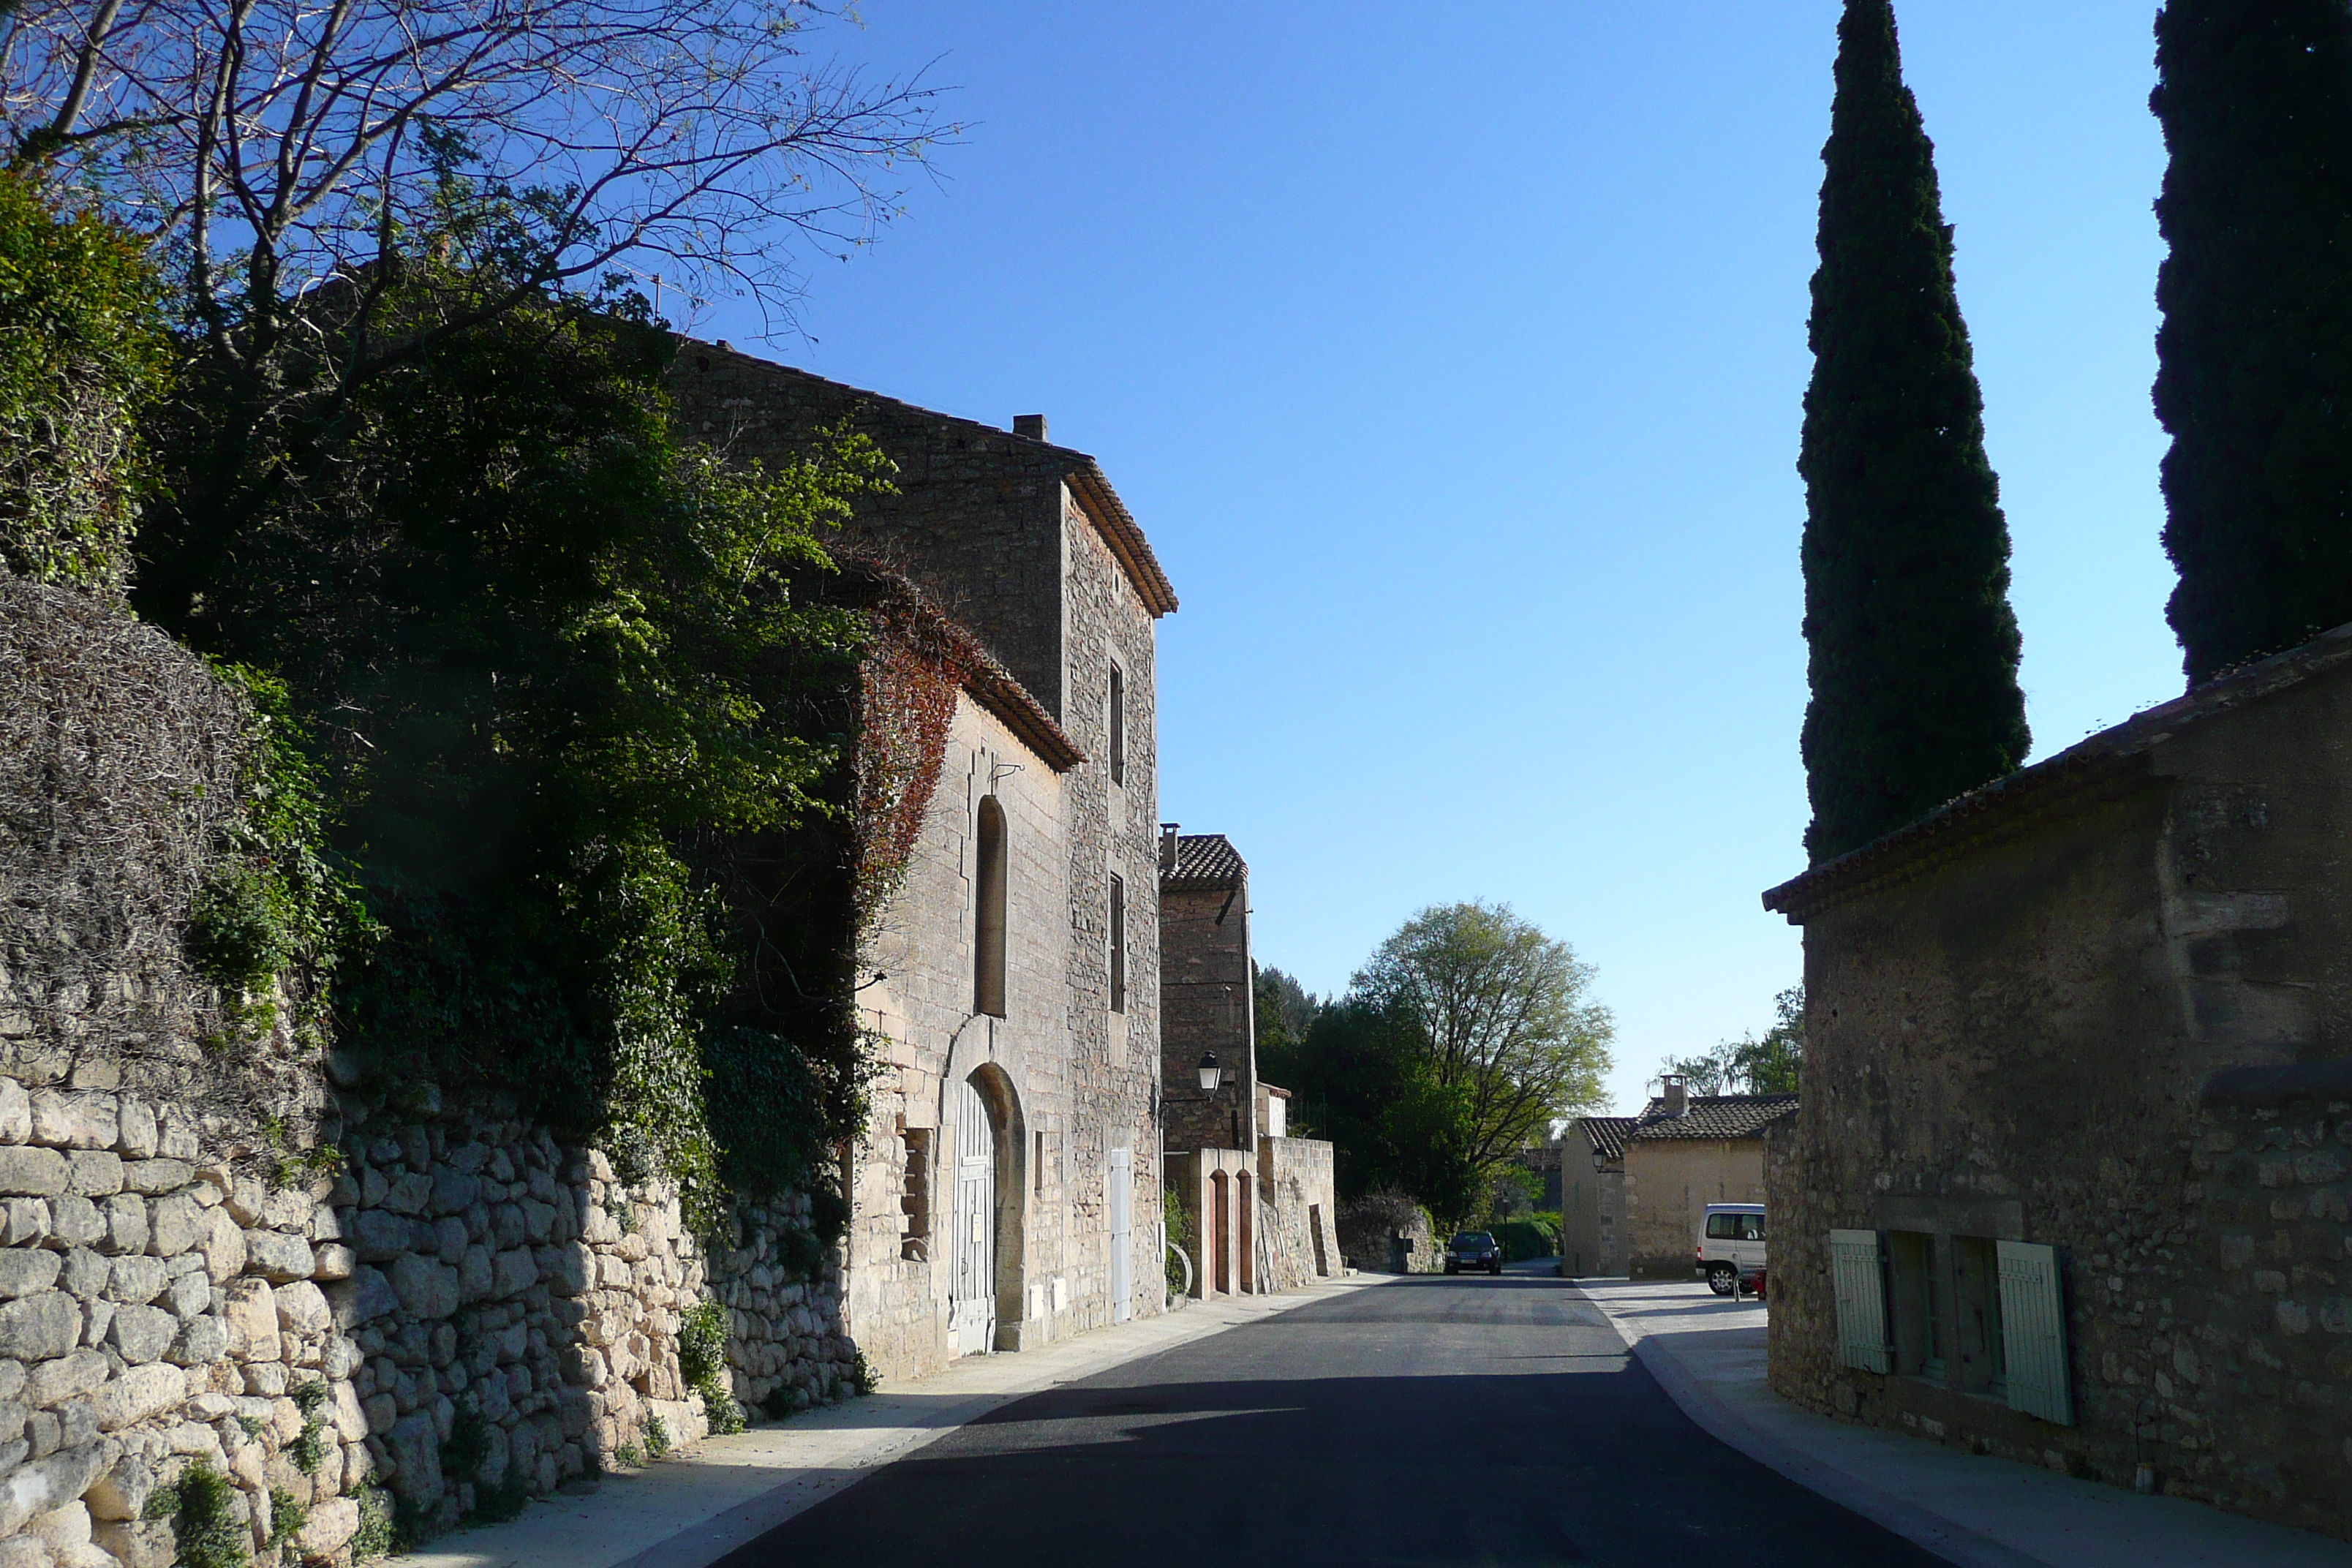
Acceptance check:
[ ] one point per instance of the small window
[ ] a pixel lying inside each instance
(1975, 1292)
(915, 1196)
(1118, 725)
(1918, 1300)
(1117, 945)
(988, 944)
(1722, 1226)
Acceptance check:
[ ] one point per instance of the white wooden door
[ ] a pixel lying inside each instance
(972, 1239)
(1121, 1179)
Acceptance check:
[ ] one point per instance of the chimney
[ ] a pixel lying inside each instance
(1675, 1094)
(1030, 425)
(1166, 847)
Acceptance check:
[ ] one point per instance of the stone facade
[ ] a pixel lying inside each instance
(1593, 1198)
(2104, 1005)
(1300, 1219)
(1388, 1232)
(1026, 545)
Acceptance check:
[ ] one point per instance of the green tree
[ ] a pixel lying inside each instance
(1496, 1036)
(82, 355)
(1748, 1065)
(1913, 647)
(2254, 356)
(1282, 1013)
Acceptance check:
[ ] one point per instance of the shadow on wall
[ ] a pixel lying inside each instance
(1387, 1233)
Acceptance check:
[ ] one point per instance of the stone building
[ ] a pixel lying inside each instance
(1682, 1153)
(1008, 1191)
(2069, 1179)
(1258, 1203)
(1593, 1198)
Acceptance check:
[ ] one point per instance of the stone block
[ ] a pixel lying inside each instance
(251, 1314)
(201, 1342)
(138, 1543)
(409, 1192)
(152, 1178)
(75, 1221)
(473, 1275)
(330, 1526)
(303, 1308)
(25, 1270)
(135, 1281)
(94, 1172)
(126, 1222)
(142, 1333)
(27, 1219)
(427, 1288)
(70, 1376)
(86, 1274)
(379, 1235)
(363, 1298)
(514, 1272)
(64, 1532)
(46, 1483)
(288, 1209)
(244, 1197)
(278, 1256)
(138, 1394)
(122, 1491)
(190, 1294)
(566, 1268)
(16, 1112)
(74, 1119)
(414, 1446)
(31, 1172)
(175, 1223)
(453, 1192)
(331, 1261)
(137, 1137)
(96, 1317)
(449, 1238)
(223, 1245)
(39, 1327)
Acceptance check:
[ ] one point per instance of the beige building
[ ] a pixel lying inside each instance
(1007, 1190)
(1684, 1153)
(1593, 1198)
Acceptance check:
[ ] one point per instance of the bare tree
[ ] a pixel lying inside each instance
(278, 147)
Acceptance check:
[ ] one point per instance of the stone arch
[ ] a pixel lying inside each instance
(997, 1091)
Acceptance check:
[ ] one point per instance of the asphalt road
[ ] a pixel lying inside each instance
(1431, 1420)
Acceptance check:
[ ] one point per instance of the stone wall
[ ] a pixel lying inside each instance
(2106, 1006)
(1207, 1004)
(1300, 1219)
(1592, 1215)
(351, 1302)
(1370, 1229)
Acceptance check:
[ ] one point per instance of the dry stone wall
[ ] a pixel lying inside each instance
(362, 1309)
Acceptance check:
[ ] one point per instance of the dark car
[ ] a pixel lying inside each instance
(1474, 1249)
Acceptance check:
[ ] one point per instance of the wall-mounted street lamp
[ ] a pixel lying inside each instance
(1212, 1074)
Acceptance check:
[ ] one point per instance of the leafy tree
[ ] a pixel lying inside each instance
(1747, 1065)
(1283, 1012)
(1493, 1036)
(82, 355)
(2254, 356)
(1913, 649)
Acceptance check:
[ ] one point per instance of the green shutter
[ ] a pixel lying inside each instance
(1858, 1274)
(2033, 1333)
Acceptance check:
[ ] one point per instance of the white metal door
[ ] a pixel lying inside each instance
(1121, 1181)
(971, 1240)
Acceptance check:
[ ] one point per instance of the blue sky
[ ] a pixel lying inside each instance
(1453, 361)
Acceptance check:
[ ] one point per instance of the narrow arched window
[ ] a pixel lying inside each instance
(988, 946)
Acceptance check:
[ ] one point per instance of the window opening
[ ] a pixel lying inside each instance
(1919, 1337)
(1117, 945)
(1976, 1281)
(988, 946)
(915, 1196)
(1118, 725)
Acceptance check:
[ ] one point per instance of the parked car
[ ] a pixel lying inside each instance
(1474, 1249)
(1731, 1246)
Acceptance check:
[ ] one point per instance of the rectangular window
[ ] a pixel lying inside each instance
(1857, 1263)
(1118, 725)
(915, 1196)
(1918, 1304)
(1117, 945)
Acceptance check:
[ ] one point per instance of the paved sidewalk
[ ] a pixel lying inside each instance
(690, 1511)
(1978, 1511)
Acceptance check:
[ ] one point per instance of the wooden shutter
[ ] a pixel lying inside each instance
(2033, 1333)
(1858, 1275)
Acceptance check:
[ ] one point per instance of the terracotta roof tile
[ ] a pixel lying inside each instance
(1205, 862)
(1608, 1133)
(1713, 1116)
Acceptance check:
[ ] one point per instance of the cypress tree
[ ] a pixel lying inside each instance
(1913, 647)
(2254, 357)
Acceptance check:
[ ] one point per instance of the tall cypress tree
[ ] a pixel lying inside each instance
(2254, 357)
(1913, 647)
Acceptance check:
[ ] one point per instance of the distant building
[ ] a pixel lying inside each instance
(1684, 1153)
(1593, 1198)
(1258, 1203)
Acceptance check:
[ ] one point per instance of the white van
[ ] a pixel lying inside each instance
(1731, 1245)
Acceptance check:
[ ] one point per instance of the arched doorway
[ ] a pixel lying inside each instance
(984, 1245)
